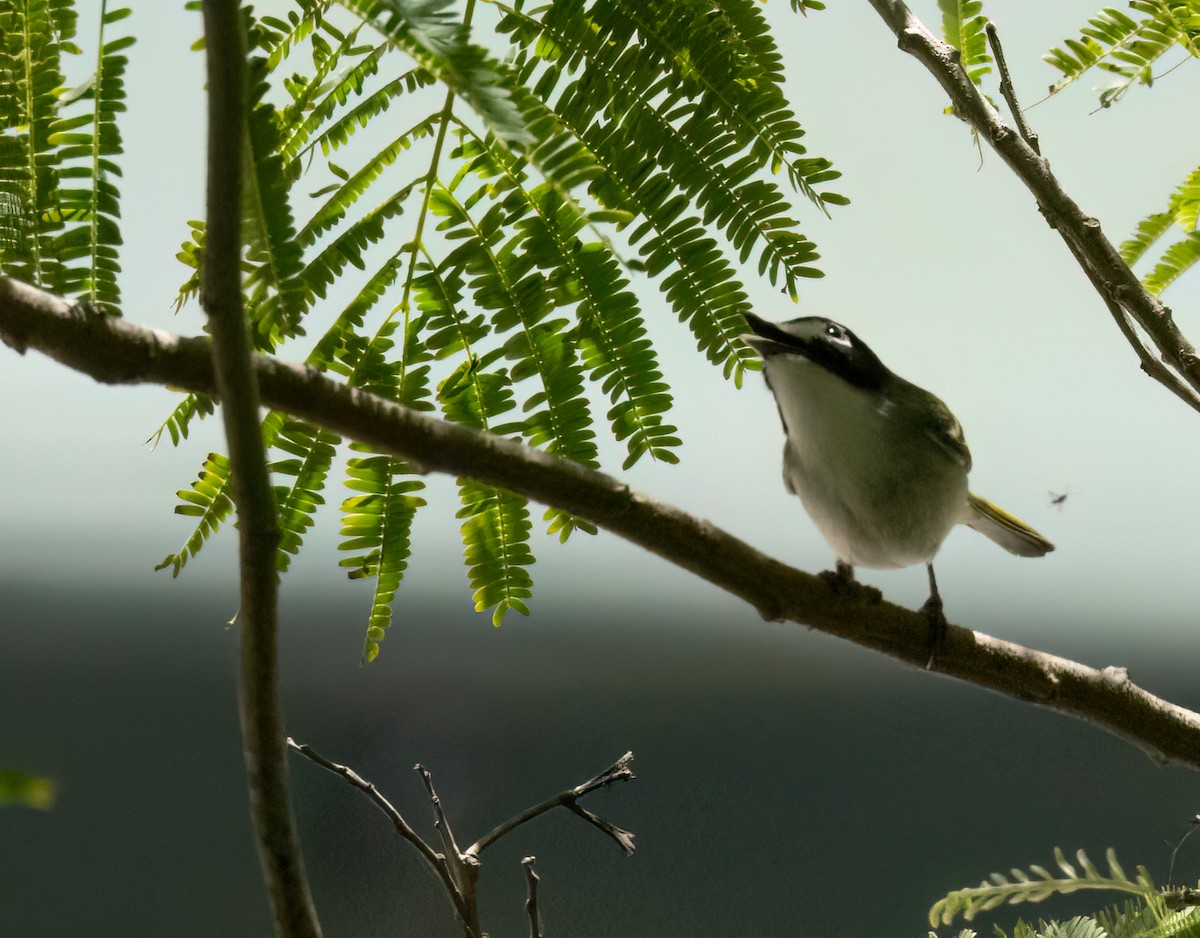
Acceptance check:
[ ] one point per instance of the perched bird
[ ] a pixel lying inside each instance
(879, 464)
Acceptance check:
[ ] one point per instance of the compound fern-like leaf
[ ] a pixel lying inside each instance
(209, 500)
(1127, 46)
(1037, 884)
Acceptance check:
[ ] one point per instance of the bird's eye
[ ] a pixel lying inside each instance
(837, 333)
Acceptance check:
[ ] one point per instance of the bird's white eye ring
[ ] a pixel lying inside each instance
(837, 333)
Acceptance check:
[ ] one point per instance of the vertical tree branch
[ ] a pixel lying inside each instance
(221, 296)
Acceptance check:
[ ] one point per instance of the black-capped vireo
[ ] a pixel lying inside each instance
(879, 464)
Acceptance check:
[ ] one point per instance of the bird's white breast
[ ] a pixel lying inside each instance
(875, 482)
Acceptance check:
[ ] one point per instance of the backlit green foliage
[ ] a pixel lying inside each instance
(17, 788)
(1154, 34)
(1181, 253)
(470, 209)
(963, 25)
(1153, 913)
(59, 215)
(1037, 884)
(1128, 45)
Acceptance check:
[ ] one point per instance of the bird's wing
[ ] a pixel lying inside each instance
(945, 430)
(1014, 535)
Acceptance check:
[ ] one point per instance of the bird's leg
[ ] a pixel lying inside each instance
(932, 610)
(841, 580)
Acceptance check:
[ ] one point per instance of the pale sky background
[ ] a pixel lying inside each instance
(944, 267)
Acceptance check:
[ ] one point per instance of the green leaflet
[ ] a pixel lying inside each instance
(1175, 261)
(429, 32)
(1170, 912)
(17, 788)
(311, 450)
(59, 204)
(496, 539)
(963, 24)
(377, 528)
(377, 522)
(209, 501)
(496, 528)
(707, 164)
(504, 280)
(1037, 884)
(1181, 255)
(179, 422)
(1127, 46)
(276, 298)
(1149, 230)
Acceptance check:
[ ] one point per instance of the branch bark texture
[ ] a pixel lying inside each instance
(258, 533)
(116, 351)
(1176, 364)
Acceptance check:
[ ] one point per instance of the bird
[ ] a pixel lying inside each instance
(879, 464)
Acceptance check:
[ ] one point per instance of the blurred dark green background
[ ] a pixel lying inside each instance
(787, 784)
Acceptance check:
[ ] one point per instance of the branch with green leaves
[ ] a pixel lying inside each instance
(1168, 357)
(496, 252)
(1153, 912)
(116, 351)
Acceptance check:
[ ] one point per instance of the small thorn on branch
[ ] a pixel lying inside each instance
(1008, 92)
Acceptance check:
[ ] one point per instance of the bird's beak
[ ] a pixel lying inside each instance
(768, 339)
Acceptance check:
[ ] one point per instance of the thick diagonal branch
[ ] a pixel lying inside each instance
(258, 531)
(1177, 366)
(115, 351)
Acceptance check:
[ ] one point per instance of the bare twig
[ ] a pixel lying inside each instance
(1008, 92)
(619, 771)
(1114, 281)
(235, 380)
(1195, 825)
(465, 904)
(402, 827)
(531, 903)
(116, 351)
(463, 867)
(459, 870)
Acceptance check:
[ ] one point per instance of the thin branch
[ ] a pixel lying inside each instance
(402, 827)
(463, 868)
(437, 861)
(116, 351)
(619, 771)
(440, 822)
(235, 381)
(531, 903)
(1008, 92)
(459, 871)
(1101, 260)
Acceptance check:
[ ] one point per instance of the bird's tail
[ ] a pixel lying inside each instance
(1014, 535)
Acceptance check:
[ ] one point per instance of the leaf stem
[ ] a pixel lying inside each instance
(430, 180)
